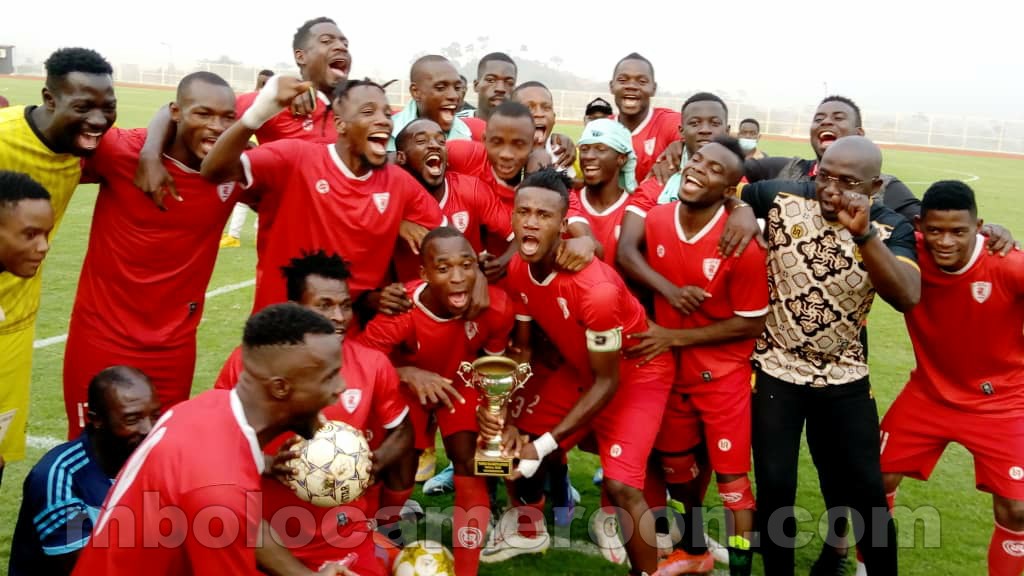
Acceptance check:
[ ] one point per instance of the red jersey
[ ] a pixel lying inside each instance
(968, 332)
(308, 200)
(477, 127)
(738, 287)
(605, 225)
(370, 401)
(315, 127)
(644, 197)
(187, 500)
(468, 206)
(589, 309)
(652, 136)
(439, 345)
(145, 273)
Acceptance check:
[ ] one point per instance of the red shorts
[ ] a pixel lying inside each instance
(716, 411)
(916, 430)
(462, 420)
(627, 427)
(169, 369)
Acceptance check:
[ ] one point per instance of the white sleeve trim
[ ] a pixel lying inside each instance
(604, 341)
(394, 423)
(638, 211)
(579, 219)
(494, 353)
(752, 313)
(247, 170)
(524, 318)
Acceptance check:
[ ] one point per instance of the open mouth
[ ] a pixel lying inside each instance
(378, 142)
(447, 115)
(433, 164)
(630, 101)
(458, 300)
(88, 139)
(206, 144)
(339, 67)
(826, 137)
(529, 245)
(540, 133)
(592, 170)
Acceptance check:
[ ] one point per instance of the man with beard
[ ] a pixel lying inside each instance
(434, 85)
(653, 129)
(47, 143)
(291, 360)
(495, 78)
(64, 491)
(128, 256)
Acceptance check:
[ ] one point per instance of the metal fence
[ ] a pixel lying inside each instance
(940, 131)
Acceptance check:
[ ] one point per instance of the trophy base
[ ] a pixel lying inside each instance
(491, 466)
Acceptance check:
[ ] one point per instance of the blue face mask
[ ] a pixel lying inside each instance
(748, 145)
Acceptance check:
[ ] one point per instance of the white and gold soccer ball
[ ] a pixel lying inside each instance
(424, 558)
(333, 467)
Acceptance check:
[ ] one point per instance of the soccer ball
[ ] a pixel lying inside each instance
(333, 467)
(424, 558)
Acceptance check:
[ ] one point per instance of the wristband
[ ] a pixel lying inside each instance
(528, 467)
(545, 445)
(264, 106)
(865, 237)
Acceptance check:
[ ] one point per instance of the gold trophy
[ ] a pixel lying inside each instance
(496, 378)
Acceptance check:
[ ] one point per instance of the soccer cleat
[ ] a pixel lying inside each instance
(505, 542)
(718, 552)
(862, 570)
(604, 527)
(679, 562)
(412, 510)
(427, 465)
(830, 564)
(229, 242)
(442, 483)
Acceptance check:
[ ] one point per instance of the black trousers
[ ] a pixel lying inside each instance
(843, 436)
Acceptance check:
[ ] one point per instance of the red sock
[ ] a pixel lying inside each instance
(531, 518)
(654, 490)
(1006, 553)
(391, 502)
(469, 522)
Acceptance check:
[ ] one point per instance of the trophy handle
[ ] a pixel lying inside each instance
(523, 372)
(465, 372)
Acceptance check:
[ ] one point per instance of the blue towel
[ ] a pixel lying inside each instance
(618, 138)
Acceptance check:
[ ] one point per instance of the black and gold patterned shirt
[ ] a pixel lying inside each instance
(820, 291)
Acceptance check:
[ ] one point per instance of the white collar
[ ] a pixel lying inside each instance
(647, 120)
(183, 167)
(345, 171)
(545, 282)
(247, 430)
(444, 197)
(419, 304)
(979, 245)
(703, 231)
(594, 212)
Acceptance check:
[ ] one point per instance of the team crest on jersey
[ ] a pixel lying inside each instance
(380, 199)
(649, 146)
(660, 251)
(470, 537)
(981, 291)
(307, 124)
(461, 221)
(350, 400)
(471, 329)
(1017, 473)
(710, 267)
(323, 186)
(224, 191)
(564, 305)
(1014, 547)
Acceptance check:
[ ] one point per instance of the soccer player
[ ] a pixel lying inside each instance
(434, 85)
(342, 197)
(608, 165)
(65, 489)
(749, 135)
(466, 203)
(26, 218)
(464, 106)
(596, 109)
(291, 361)
(537, 97)
(138, 303)
(653, 129)
(46, 142)
(967, 386)
(495, 78)
(718, 310)
(830, 250)
(262, 77)
(587, 315)
(371, 402)
(428, 345)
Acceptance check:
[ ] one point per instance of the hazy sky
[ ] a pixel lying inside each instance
(887, 55)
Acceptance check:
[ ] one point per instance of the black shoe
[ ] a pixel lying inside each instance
(830, 563)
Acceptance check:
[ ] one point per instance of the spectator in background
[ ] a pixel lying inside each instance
(749, 135)
(262, 77)
(232, 239)
(596, 109)
(465, 108)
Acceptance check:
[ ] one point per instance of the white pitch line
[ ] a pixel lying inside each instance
(968, 177)
(60, 338)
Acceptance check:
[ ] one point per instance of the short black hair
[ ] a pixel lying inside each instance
(345, 86)
(318, 263)
(848, 102)
(633, 56)
(302, 34)
(67, 60)
(495, 57)
(437, 234)
(201, 76)
(705, 97)
(265, 72)
(949, 195)
(18, 186)
(751, 121)
(512, 109)
(406, 132)
(549, 178)
(530, 84)
(426, 60)
(733, 145)
(109, 378)
(284, 324)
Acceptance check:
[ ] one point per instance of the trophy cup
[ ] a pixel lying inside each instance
(496, 378)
